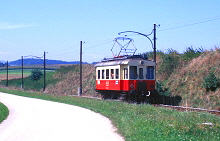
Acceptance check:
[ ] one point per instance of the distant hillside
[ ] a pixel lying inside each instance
(31, 61)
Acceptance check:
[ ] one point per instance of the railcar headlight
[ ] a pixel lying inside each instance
(141, 62)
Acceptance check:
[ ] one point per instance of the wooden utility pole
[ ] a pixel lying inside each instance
(80, 85)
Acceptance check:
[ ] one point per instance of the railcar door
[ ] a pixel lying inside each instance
(141, 84)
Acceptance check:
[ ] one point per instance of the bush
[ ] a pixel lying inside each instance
(191, 53)
(160, 88)
(170, 61)
(211, 82)
(36, 74)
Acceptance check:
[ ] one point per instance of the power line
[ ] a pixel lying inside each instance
(192, 21)
(78, 49)
(190, 24)
(97, 45)
(65, 49)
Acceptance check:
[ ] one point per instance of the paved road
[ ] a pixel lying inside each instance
(39, 120)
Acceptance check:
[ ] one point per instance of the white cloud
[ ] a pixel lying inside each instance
(6, 53)
(7, 25)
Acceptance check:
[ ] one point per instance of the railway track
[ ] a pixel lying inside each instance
(183, 108)
(179, 108)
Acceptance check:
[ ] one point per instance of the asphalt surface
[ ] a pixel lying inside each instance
(40, 120)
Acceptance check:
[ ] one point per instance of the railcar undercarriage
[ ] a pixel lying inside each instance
(149, 97)
(132, 96)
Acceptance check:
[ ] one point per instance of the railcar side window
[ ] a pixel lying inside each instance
(125, 73)
(116, 73)
(98, 74)
(150, 72)
(133, 72)
(107, 73)
(103, 74)
(112, 74)
(141, 73)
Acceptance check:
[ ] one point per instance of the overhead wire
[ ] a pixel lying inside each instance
(78, 49)
(204, 21)
(192, 21)
(65, 49)
(97, 45)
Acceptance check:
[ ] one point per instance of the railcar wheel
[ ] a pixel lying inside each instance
(123, 97)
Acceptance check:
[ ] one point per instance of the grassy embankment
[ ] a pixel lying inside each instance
(185, 75)
(144, 122)
(3, 112)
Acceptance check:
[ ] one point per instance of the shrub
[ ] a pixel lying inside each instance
(211, 82)
(170, 61)
(36, 74)
(191, 53)
(160, 88)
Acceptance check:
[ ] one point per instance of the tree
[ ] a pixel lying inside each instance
(36, 74)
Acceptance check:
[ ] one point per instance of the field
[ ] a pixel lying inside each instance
(13, 74)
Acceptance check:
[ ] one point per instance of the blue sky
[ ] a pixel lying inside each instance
(30, 27)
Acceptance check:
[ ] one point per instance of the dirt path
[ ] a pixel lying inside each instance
(40, 120)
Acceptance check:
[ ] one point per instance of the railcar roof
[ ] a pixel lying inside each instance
(119, 62)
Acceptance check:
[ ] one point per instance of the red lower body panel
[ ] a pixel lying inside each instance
(124, 85)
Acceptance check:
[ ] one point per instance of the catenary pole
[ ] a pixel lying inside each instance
(44, 70)
(7, 75)
(80, 86)
(22, 72)
(155, 57)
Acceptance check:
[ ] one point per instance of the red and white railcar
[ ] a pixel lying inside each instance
(125, 76)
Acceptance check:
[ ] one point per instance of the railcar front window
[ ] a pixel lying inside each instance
(98, 74)
(141, 74)
(116, 73)
(103, 74)
(150, 72)
(133, 72)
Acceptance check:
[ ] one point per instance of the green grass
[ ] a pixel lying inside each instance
(144, 122)
(3, 112)
(31, 84)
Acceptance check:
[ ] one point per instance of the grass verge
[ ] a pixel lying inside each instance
(3, 112)
(144, 122)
